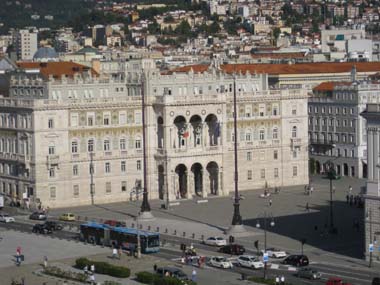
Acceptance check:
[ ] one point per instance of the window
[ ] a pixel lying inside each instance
(51, 124)
(323, 110)
(106, 119)
(52, 193)
(294, 132)
(138, 143)
(275, 173)
(275, 154)
(138, 165)
(344, 123)
(90, 119)
(107, 167)
(74, 147)
(275, 110)
(75, 170)
(331, 122)
(294, 110)
(123, 144)
(249, 175)
(74, 120)
(262, 135)
(51, 149)
(108, 187)
(52, 172)
(123, 166)
(336, 110)
(249, 156)
(330, 110)
(138, 118)
(90, 145)
(122, 118)
(123, 186)
(262, 173)
(352, 153)
(294, 154)
(345, 153)
(352, 111)
(248, 136)
(315, 109)
(106, 145)
(76, 191)
(344, 111)
(262, 155)
(295, 170)
(275, 134)
(261, 110)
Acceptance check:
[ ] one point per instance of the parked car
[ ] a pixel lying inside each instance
(235, 249)
(172, 271)
(53, 225)
(114, 223)
(68, 217)
(250, 261)
(217, 241)
(38, 216)
(5, 218)
(275, 253)
(376, 281)
(296, 260)
(336, 281)
(309, 273)
(220, 261)
(41, 229)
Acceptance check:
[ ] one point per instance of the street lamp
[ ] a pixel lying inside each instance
(266, 216)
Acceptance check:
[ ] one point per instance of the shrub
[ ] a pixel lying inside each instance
(111, 283)
(104, 268)
(58, 272)
(145, 277)
(154, 279)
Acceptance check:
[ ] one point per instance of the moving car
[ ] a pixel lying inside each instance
(296, 260)
(68, 217)
(309, 273)
(336, 281)
(235, 249)
(41, 229)
(173, 272)
(220, 261)
(5, 218)
(53, 225)
(38, 216)
(275, 253)
(217, 241)
(250, 261)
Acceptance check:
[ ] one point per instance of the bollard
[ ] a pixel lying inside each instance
(193, 236)
(166, 230)
(148, 228)
(158, 229)
(184, 234)
(175, 232)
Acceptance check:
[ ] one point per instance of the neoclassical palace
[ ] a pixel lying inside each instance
(65, 129)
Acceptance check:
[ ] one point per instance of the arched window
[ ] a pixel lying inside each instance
(294, 132)
(275, 133)
(262, 135)
(74, 146)
(106, 145)
(90, 145)
(138, 143)
(123, 144)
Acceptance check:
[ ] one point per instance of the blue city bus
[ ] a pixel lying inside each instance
(126, 238)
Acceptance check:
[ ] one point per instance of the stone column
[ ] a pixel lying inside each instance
(375, 154)
(370, 150)
(220, 185)
(220, 134)
(173, 189)
(190, 184)
(205, 183)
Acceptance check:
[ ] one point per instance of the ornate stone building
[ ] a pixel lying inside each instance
(64, 127)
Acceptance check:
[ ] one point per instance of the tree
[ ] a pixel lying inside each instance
(183, 29)
(169, 19)
(154, 28)
(276, 32)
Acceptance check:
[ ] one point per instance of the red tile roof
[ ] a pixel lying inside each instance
(283, 69)
(57, 69)
(329, 86)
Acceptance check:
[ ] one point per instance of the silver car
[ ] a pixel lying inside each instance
(309, 273)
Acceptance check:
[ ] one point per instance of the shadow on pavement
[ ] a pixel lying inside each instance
(314, 226)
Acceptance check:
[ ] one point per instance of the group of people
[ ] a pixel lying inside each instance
(280, 280)
(116, 253)
(90, 273)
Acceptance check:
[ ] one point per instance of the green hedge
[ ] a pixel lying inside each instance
(58, 272)
(154, 279)
(261, 280)
(111, 283)
(103, 268)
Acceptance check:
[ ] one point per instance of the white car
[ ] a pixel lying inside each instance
(275, 253)
(220, 261)
(250, 261)
(5, 218)
(218, 241)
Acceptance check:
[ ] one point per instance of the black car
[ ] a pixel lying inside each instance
(173, 272)
(296, 260)
(54, 226)
(41, 229)
(38, 216)
(235, 249)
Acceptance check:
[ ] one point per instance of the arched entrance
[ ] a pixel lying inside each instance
(317, 167)
(213, 129)
(213, 171)
(160, 132)
(181, 189)
(196, 125)
(198, 178)
(345, 169)
(161, 182)
(182, 133)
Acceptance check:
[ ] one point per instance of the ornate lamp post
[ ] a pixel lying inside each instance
(266, 216)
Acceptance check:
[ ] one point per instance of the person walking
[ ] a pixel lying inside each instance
(194, 275)
(119, 252)
(311, 190)
(277, 280)
(282, 280)
(347, 199)
(270, 202)
(85, 270)
(307, 207)
(45, 261)
(155, 267)
(92, 268)
(349, 189)
(92, 279)
(114, 252)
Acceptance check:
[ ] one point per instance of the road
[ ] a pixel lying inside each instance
(170, 251)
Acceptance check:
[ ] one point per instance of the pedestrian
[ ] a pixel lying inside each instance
(347, 198)
(307, 207)
(92, 268)
(45, 261)
(92, 279)
(349, 189)
(155, 267)
(270, 202)
(311, 190)
(119, 252)
(282, 279)
(114, 252)
(277, 280)
(355, 200)
(351, 199)
(194, 276)
(85, 269)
